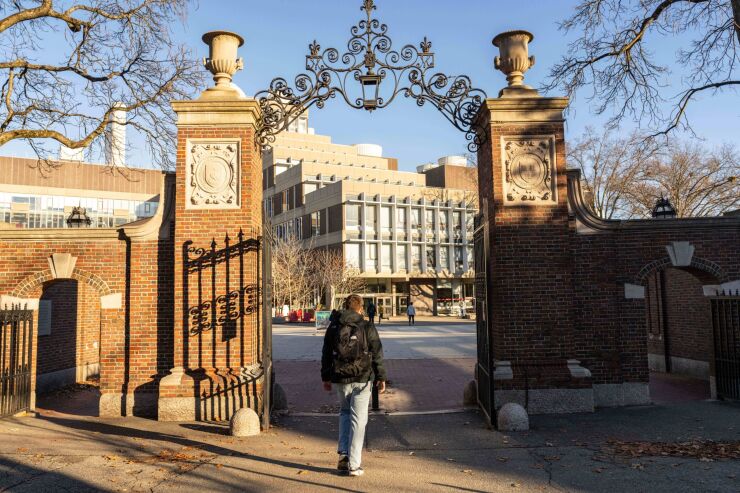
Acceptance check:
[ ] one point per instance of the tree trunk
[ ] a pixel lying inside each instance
(736, 15)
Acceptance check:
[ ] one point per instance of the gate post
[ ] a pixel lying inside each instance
(218, 196)
(522, 177)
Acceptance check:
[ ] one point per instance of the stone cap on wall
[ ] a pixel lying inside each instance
(588, 221)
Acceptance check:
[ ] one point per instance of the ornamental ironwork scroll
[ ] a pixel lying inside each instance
(370, 75)
(218, 305)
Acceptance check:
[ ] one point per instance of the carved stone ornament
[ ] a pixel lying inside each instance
(213, 175)
(529, 170)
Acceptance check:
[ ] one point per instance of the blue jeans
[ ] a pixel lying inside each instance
(354, 401)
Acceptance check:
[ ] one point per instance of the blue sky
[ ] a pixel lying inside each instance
(277, 34)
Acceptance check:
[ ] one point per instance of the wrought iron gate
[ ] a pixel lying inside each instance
(16, 330)
(484, 366)
(726, 324)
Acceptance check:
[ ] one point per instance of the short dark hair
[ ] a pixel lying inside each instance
(353, 302)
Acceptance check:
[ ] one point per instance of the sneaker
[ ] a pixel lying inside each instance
(356, 472)
(343, 464)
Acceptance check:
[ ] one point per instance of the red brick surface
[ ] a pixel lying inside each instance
(75, 327)
(683, 312)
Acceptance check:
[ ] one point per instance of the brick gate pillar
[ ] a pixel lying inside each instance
(522, 179)
(218, 217)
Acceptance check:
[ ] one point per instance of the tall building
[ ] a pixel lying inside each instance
(30, 199)
(408, 233)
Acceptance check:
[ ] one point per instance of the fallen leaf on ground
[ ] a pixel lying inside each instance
(467, 471)
(704, 450)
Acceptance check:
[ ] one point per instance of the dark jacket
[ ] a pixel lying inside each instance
(375, 373)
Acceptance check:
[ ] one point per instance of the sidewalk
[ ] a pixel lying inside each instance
(452, 452)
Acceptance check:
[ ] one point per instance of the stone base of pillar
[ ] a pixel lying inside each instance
(621, 394)
(117, 404)
(211, 394)
(548, 401)
(544, 387)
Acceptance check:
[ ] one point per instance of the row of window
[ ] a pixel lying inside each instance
(406, 216)
(60, 202)
(420, 258)
(59, 220)
(52, 211)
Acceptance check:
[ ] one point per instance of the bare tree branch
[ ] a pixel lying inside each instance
(116, 54)
(613, 55)
(624, 177)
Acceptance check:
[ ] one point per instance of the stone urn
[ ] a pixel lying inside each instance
(514, 59)
(223, 61)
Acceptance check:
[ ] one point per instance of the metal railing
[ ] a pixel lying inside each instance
(726, 324)
(16, 331)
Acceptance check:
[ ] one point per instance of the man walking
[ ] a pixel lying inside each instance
(371, 312)
(411, 312)
(352, 358)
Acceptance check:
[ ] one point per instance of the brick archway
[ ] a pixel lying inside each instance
(33, 281)
(705, 270)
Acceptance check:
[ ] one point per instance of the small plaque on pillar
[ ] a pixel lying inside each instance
(529, 172)
(213, 174)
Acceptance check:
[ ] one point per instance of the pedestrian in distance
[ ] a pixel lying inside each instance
(411, 312)
(371, 312)
(352, 360)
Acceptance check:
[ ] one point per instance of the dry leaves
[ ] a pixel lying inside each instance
(704, 450)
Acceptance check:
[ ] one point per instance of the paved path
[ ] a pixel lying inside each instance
(415, 385)
(445, 453)
(443, 339)
(428, 365)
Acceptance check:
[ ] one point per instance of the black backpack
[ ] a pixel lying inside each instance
(351, 356)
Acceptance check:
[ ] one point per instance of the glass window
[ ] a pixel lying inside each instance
(401, 218)
(416, 258)
(370, 218)
(429, 223)
(443, 220)
(444, 260)
(458, 258)
(431, 258)
(352, 254)
(469, 223)
(371, 257)
(385, 219)
(457, 225)
(315, 224)
(470, 258)
(353, 215)
(416, 219)
(401, 263)
(386, 258)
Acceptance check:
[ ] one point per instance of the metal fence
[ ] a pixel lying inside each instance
(16, 330)
(484, 366)
(726, 325)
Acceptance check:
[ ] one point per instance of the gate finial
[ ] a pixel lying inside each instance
(514, 61)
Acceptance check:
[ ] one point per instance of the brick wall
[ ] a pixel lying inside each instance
(530, 291)
(58, 350)
(74, 341)
(198, 228)
(557, 289)
(684, 311)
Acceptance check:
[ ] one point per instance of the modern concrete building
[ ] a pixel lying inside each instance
(409, 233)
(31, 199)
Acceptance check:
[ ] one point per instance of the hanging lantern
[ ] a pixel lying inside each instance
(664, 209)
(78, 218)
(370, 90)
